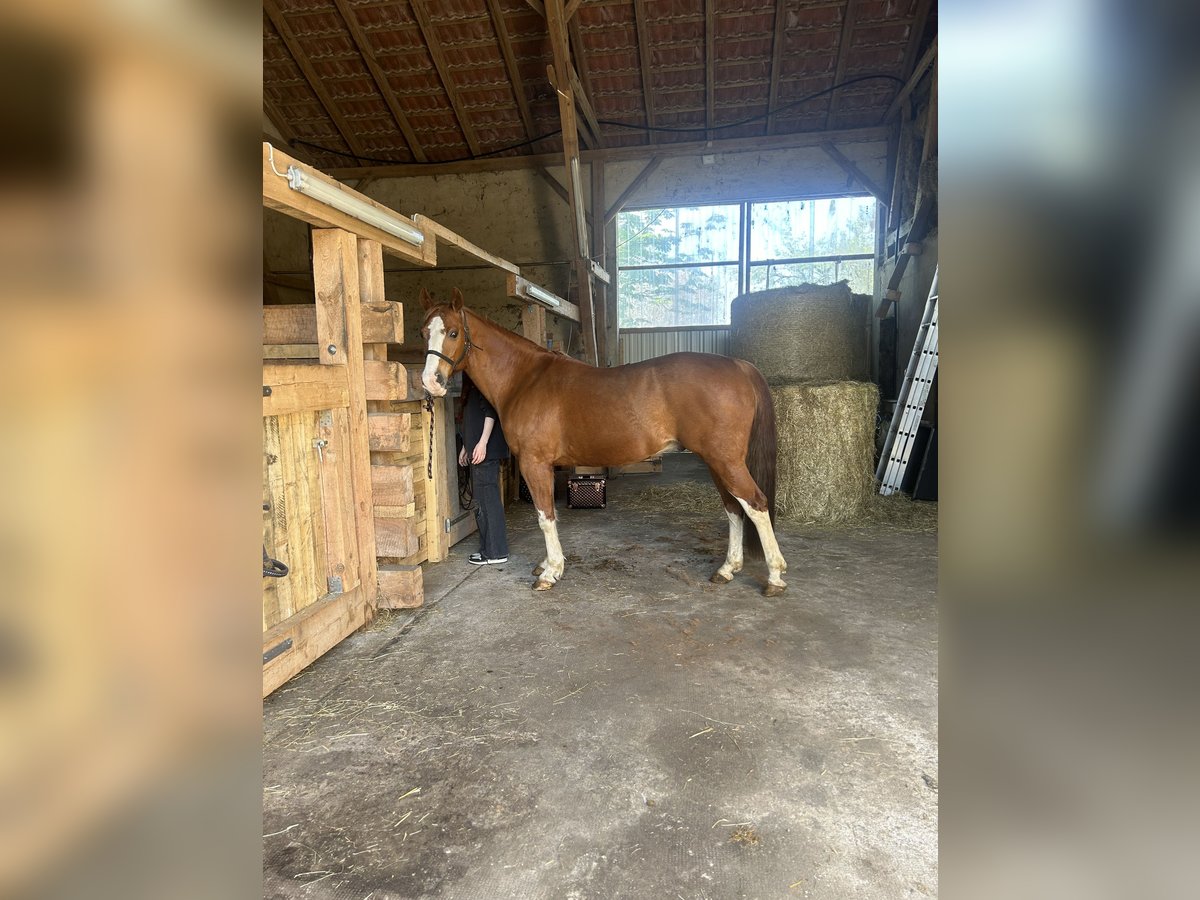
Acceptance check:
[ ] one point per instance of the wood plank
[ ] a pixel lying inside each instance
(341, 556)
(380, 77)
(438, 55)
(276, 591)
(386, 380)
(518, 288)
(913, 80)
(312, 632)
(637, 182)
(286, 399)
(290, 351)
(581, 78)
(457, 240)
(395, 538)
(500, 25)
(407, 511)
(674, 149)
(392, 485)
(401, 587)
(296, 323)
(851, 168)
(278, 196)
(849, 13)
(388, 431)
(779, 37)
(315, 83)
(335, 273)
(710, 64)
(643, 41)
(600, 299)
(533, 323)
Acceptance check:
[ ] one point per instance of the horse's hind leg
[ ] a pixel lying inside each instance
(541, 487)
(735, 478)
(733, 556)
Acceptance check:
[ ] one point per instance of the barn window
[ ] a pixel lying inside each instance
(684, 265)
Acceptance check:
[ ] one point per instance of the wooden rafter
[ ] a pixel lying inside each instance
(538, 7)
(510, 65)
(560, 46)
(913, 80)
(272, 11)
(777, 42)
(581, 79)
(920, 17)
(851, 168)
(276, 118)
(632, 189)
(438, 55)
(643, 39)
(839, 72)
(710, 63)
(380, 77)
(547, 176)
(572, 8)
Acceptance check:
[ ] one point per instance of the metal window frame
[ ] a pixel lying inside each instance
(745, 228)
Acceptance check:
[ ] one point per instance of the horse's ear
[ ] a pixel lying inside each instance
(426, 301)
(456, 299)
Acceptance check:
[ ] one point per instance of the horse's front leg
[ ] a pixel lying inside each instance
(540, 479)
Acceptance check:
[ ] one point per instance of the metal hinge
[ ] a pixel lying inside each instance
(446, 526)
(334, 583)
(276, 650)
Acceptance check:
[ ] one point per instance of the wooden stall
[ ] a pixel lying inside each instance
(359, 470)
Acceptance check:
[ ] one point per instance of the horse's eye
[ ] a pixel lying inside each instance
(454, 334)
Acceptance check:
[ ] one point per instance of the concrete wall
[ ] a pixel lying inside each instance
(517, 215)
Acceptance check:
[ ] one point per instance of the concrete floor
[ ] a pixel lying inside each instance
(636, 732)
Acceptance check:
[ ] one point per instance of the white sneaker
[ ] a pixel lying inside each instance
(478, 559)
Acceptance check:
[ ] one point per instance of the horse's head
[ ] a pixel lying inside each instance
(447, 341)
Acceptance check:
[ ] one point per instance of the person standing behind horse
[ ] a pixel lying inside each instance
(483, 447)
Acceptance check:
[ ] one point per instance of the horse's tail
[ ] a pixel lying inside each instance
(761, 453)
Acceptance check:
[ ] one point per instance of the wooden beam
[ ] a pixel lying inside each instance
(445, 235)
(278, 196)
(913, 80)
(518, 288)
(632, 189)
(851, 168)
(777, 42)
(380, 77)
(560, 46)
(275, 116)
(919, 20)
(839, 72)
(643, 39)
(600, 296)
(581, 80)
(572, 8)
(510, 65)
(710, 64)
(312, 631)
(272, 11)
(335, 276)
(538, 7)
(425, 24)
(554, 183)
(758, 144)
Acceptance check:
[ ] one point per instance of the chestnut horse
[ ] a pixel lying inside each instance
(557, 411)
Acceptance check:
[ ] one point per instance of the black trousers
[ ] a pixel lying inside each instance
(489, 512)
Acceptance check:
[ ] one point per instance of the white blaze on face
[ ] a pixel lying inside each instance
(437, 337)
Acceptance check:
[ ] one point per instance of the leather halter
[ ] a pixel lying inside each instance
(467, 345)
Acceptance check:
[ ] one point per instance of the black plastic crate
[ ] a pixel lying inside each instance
(587, 492)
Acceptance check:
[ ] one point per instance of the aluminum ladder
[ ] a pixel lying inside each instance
(914, 393)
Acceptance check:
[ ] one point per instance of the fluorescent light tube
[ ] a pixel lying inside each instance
(321, 190)
(545, 296)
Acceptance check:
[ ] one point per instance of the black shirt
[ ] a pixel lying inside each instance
(476, 408)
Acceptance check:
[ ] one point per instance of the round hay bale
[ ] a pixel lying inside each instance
(809, 332)
(826, 451)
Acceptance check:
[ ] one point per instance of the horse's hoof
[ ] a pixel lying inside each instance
(718, 578)
(542, 585)
(538, 570)
(774, 590)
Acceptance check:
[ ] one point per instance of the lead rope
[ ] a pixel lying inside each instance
(429, 409)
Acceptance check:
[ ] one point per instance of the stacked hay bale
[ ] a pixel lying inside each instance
(810, 342)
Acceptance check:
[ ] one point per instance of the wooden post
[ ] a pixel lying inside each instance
(533, 323)
(600, 299)
(335, 278)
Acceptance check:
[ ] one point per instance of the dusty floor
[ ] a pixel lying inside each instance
(636, 732)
